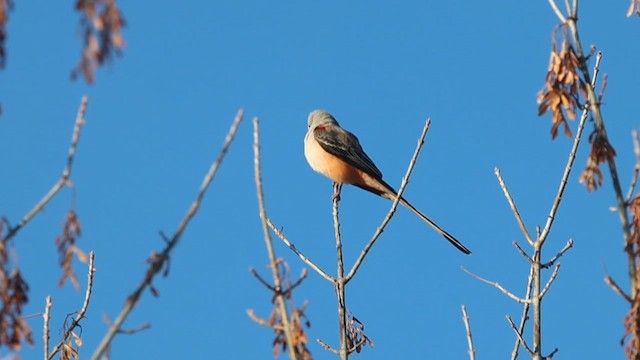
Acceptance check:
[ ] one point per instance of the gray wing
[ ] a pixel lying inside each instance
(343, 144)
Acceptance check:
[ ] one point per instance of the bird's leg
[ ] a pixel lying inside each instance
(337, 187)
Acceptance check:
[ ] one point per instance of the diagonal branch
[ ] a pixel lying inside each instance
(553, 260)
(524, 317)
(157, 262)
(499, 287)
(394, 206)
(519, 336)
(512, 204)
(572, 156)
(551, 280)
(279, 233)
(64, 178)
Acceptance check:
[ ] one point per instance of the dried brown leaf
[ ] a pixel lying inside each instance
(101, 22)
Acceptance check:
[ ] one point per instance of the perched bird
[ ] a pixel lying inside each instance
(336, 153)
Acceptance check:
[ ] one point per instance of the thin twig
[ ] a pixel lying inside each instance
(636, 168)
(522, 252)
(263, 281)
(572, 156)
(134, 330)
(263, 322)
(525, 315)
(555, 8)
(64, 178)
(553, 260)
(83, 310)
(550, 356)
(498, 286)
(303, 276)
(277, 281)
(394, 206)
(327, 347)
(279, 233)
(550, 281)
(467, 326)
(513, 206)
(159, 261)
(612, 284)
(522, 340)
(47, 318)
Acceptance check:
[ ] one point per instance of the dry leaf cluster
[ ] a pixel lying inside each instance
(356, 338)
(66, 243)
(601, 151)
(68, 351)
(632, 319)
(562, 88)
(101, 23)
(297, 320)
(13, 292)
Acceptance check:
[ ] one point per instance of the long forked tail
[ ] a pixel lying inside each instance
(381, 188)
(435, 226)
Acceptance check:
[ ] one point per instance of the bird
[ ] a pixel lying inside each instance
(337, 154)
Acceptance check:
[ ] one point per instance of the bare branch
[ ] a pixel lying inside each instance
(263, 281)
(613, 285)
(512, 204)
(64, 178)
(553, 260)
(572, 156)
(279, 233)
(550, 356)
(467, 326)
(522, 340)
(499, 287)
(134, 330)
(47, 318)
(261, 321)
(524, 317)
(327, 347)
(550, 281)
(394, 206)
(303, 276)
(555, 8)
(158, 261)
(83, 310)
(522, 252)
(636, 168)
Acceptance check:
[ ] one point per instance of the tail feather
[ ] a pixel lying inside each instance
(435, 226)
(381, 188)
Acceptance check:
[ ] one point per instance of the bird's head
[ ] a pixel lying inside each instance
(320, 117)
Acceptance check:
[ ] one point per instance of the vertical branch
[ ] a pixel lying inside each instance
(277, 281)
(593, 103)
(525, 316)
(465, 318)
(340, 279)
(537, 301)
(47, 318)
(80, 314)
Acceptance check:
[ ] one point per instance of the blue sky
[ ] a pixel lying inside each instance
(157, 118)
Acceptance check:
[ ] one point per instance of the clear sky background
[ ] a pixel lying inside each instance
(157, 118)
